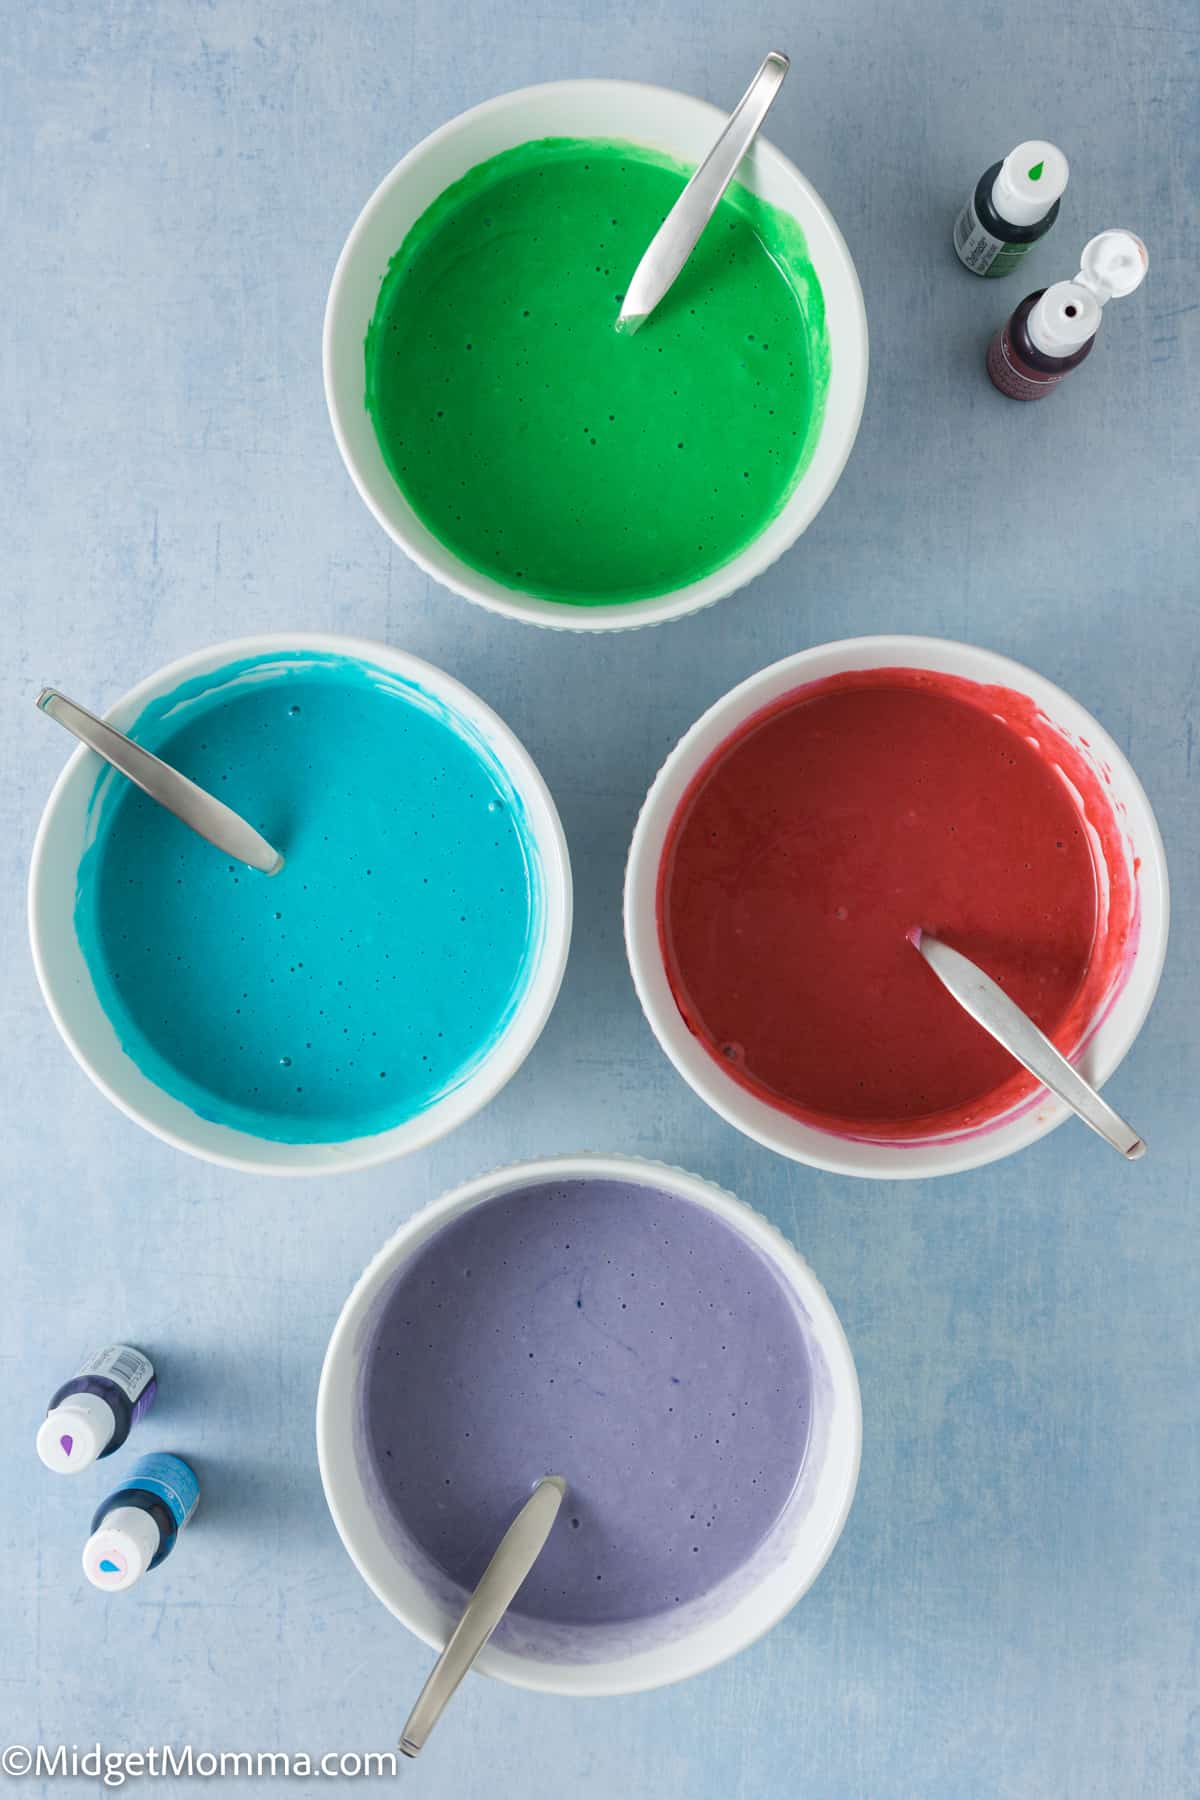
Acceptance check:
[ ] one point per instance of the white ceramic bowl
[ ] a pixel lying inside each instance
(1104, 1042)
(664, 120)
(607, 1659)
(71, 996)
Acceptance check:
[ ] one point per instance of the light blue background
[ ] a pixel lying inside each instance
(1012, 1612)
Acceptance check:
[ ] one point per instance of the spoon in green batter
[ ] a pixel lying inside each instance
(194, 806)
(680, 231)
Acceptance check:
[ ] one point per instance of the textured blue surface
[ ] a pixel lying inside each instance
(1013, 1609)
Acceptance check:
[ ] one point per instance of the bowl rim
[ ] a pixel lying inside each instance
(599, 1678)
(524, 1028)
(769, 1126)
(751, 561)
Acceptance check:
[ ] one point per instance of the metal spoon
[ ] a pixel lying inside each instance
(680, 231)
(193, 805)
(991, 1007)
(515, 1555)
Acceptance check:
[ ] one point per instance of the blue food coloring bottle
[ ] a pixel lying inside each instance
(136, 1527)
(92, 1414)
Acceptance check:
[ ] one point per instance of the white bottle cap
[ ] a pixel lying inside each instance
(121, 1549)
(1063, 320)
(1113, 264)
(1068, 314)
(1032, 177)
(75, 1433)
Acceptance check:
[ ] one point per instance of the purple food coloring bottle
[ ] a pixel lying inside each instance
(91, 1415)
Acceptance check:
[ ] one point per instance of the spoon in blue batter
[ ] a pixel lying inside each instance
(515, 1555)
(194, 806)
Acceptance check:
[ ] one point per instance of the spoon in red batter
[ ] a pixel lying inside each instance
(991, 1007)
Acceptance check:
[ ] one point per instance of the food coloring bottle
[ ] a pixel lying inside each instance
(136, 1527)
(1014, 204)
(1054, 329)
(92, 1414)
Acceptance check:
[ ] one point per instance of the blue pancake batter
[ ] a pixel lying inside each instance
(368, 978)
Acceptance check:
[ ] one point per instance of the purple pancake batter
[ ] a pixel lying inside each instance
(617, 1335)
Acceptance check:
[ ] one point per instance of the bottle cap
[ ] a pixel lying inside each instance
(1068, 314)
(1063, 320)
(1032, 177)
(121, 1549)
(75, 1433)
(1113, 264)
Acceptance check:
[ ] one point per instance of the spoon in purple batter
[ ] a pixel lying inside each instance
(991, 1007)
(515, 1555)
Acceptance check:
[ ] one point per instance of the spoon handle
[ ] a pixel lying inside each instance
(200, 810)
(515, 1555)
(680, 231)
(991, 1007)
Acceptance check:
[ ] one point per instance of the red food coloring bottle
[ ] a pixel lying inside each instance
(1052, 331)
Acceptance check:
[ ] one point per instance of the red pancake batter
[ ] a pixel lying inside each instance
(827, 827)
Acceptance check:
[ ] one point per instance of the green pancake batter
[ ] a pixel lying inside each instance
(554, 453)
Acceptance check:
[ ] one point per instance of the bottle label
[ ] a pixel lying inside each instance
(1017, 383)
(127, 1369)
(168, 1477)
(979, 251)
